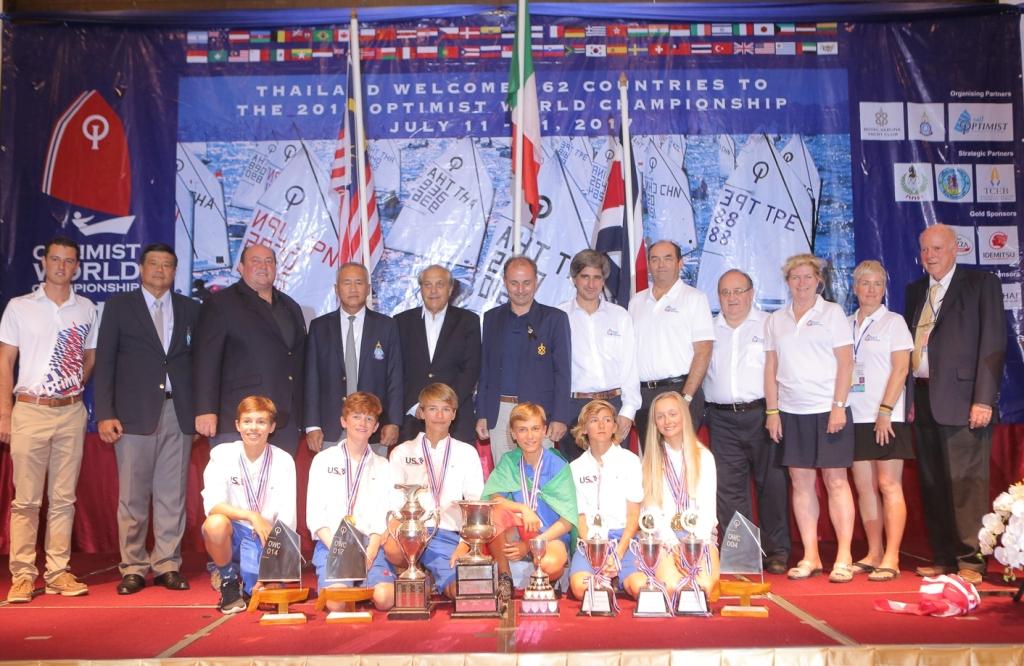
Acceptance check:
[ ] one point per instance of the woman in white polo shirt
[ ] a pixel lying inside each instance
(881, 356)
(808, 365)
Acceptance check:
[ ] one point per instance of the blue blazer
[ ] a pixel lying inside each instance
(544, 378)
(380, 370)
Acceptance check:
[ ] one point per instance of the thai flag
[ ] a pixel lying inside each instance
(612, 232)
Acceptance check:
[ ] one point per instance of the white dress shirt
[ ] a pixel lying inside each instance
(879, 335)
(464, 479)
(222, 481)
(168, 314)
(603, 488)
(736, 372)
(433, 323)
(327, 492)
(604, 352)
(666, 329)
(940, 294)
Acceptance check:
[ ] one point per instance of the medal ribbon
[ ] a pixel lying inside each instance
(352, 485)
(530, 495)
(599, 578)
(676, 481)
(256, 497)
(436, 484)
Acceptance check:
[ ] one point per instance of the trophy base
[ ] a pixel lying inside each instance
(282, 596)
(348, 617)
(484, 606)
(412, 599)
(652, 603)
(692, 603)
(745, 611)
(476, 589)
(598, 604)
(539, 603)
(282, 618)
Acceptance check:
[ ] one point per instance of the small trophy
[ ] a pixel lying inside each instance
(413, 586)
(476, 574)
(742, 554)
(690, 597)
(652, 599)
(281, 567)
(539, 597)
(346, 563)
(599, 599)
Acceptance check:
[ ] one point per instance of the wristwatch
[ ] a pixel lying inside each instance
(838, 403)
(687, 397)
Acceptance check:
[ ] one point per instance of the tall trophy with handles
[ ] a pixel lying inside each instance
(692, 553)
(652, 599)
(476, 574)
(599, 598)
(539, 597)
(412, 586)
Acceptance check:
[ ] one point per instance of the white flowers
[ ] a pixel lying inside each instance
(1002, 532)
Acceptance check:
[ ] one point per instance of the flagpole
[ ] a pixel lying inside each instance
(517, 145)
(627, 177)
(360, 140)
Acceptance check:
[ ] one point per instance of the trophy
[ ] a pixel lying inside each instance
(539, 597)
(652, 599)
(599, 599)
(412, 586)
(741, 554)
(280, 569)
(690, 597)
(476, 574)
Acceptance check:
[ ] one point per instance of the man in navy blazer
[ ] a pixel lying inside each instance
(959, 326)
(440, 343)
(143, 406)
(526, 358)
(330, 349)
(249, 341)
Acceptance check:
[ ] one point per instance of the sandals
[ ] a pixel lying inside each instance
(841, 573)
(883, 575)
(803, 570)
(862, 568)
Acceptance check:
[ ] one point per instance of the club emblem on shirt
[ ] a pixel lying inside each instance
(378, 352)
(541, 349)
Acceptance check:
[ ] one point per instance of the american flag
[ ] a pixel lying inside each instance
(342, 181)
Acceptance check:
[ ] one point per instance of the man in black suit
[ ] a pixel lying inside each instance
(249, 341)
(143, 405)
(956, 316)
(440, 343)
(334, 369)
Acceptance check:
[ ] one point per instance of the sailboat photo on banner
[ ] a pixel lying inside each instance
(667, 195)
(199, 201)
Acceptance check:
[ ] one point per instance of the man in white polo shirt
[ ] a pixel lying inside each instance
(603, 349)
(674, 330)
(49, 331)
(734, 390)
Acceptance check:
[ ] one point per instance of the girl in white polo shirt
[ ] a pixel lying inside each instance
(808, 367)
(881, 352)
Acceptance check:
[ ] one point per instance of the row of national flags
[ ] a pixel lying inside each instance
(254, 54)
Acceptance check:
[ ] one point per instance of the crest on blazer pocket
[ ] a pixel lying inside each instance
(378, 351)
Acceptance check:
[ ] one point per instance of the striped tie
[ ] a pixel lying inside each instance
(924, 327)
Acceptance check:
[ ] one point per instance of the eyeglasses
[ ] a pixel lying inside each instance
(726, 293)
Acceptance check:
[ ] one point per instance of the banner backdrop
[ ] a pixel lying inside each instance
(753, 141)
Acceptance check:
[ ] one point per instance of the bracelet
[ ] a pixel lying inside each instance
(885, 407)
(886, 414)
(771, 412)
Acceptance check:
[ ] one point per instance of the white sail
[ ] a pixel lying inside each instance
(209, 221)
(297, 218)
(445, 210)
(667, 195)
(726, 155)
(559, 234)
(586, 172)
(260, 171)
(801, 164)
(757, 223)
(183, 230)
(385, 161)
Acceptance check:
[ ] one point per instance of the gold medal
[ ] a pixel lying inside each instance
(677, 522)
(541, 349)
(351, 520)
(597, 520)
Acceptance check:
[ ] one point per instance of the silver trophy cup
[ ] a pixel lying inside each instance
(476, 574)
(599, 599)
(539, 597)
(690, 598)
(651, 600)
(412, 586)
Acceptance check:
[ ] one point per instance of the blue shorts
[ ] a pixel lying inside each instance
(380, 571)
(437, 558)
(249, 573)
(580, 564)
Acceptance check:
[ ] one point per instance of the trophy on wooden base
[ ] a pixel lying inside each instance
(412, 586)
(690, 597)
(539, 598)
(346, 566)
(280, 570)
(741, 554)
(652, 599)
(599, 598)
(476, 574)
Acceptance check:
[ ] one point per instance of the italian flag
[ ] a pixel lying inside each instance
(524, 96)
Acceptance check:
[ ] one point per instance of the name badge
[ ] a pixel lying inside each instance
(859, 378)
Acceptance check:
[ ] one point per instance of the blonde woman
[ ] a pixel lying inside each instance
(808, 366)
(679, 487)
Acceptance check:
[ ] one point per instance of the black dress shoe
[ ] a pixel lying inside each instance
(172, 580)
(131, 584)
(776, 565)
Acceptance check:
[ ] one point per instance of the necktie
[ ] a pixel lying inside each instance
(924, 327)
(351, 365)
(158, 321)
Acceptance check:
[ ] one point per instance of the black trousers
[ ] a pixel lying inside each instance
(953, 469)
(743, 450)
(567, 445)
(647, 396)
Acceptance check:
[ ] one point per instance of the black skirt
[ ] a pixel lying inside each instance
(899, 447)
(806, 444)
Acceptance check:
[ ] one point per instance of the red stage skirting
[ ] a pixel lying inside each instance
(96, 516)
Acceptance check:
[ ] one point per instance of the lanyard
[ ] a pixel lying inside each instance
(436, 484)
(858, 340)
(352, 485)
(676, 482)
(530, 495)
(258, 495)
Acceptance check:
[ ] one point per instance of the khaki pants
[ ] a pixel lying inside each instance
(46, 447)
(501, 436)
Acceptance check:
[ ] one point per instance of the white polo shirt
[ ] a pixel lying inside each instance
(807, 364)
(667, 328)
(327, 492)
(874, 341)
(604, 352)
(51, 341)
(704, 499)
(464, 479)
(736, 372)
(604, 488)
(222, 481)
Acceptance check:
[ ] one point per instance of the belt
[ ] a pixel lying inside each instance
(512, 399)
(596, 395)
(738, 406)
(668, 381)
(920, 381)
(168, 395)
(49, 402)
